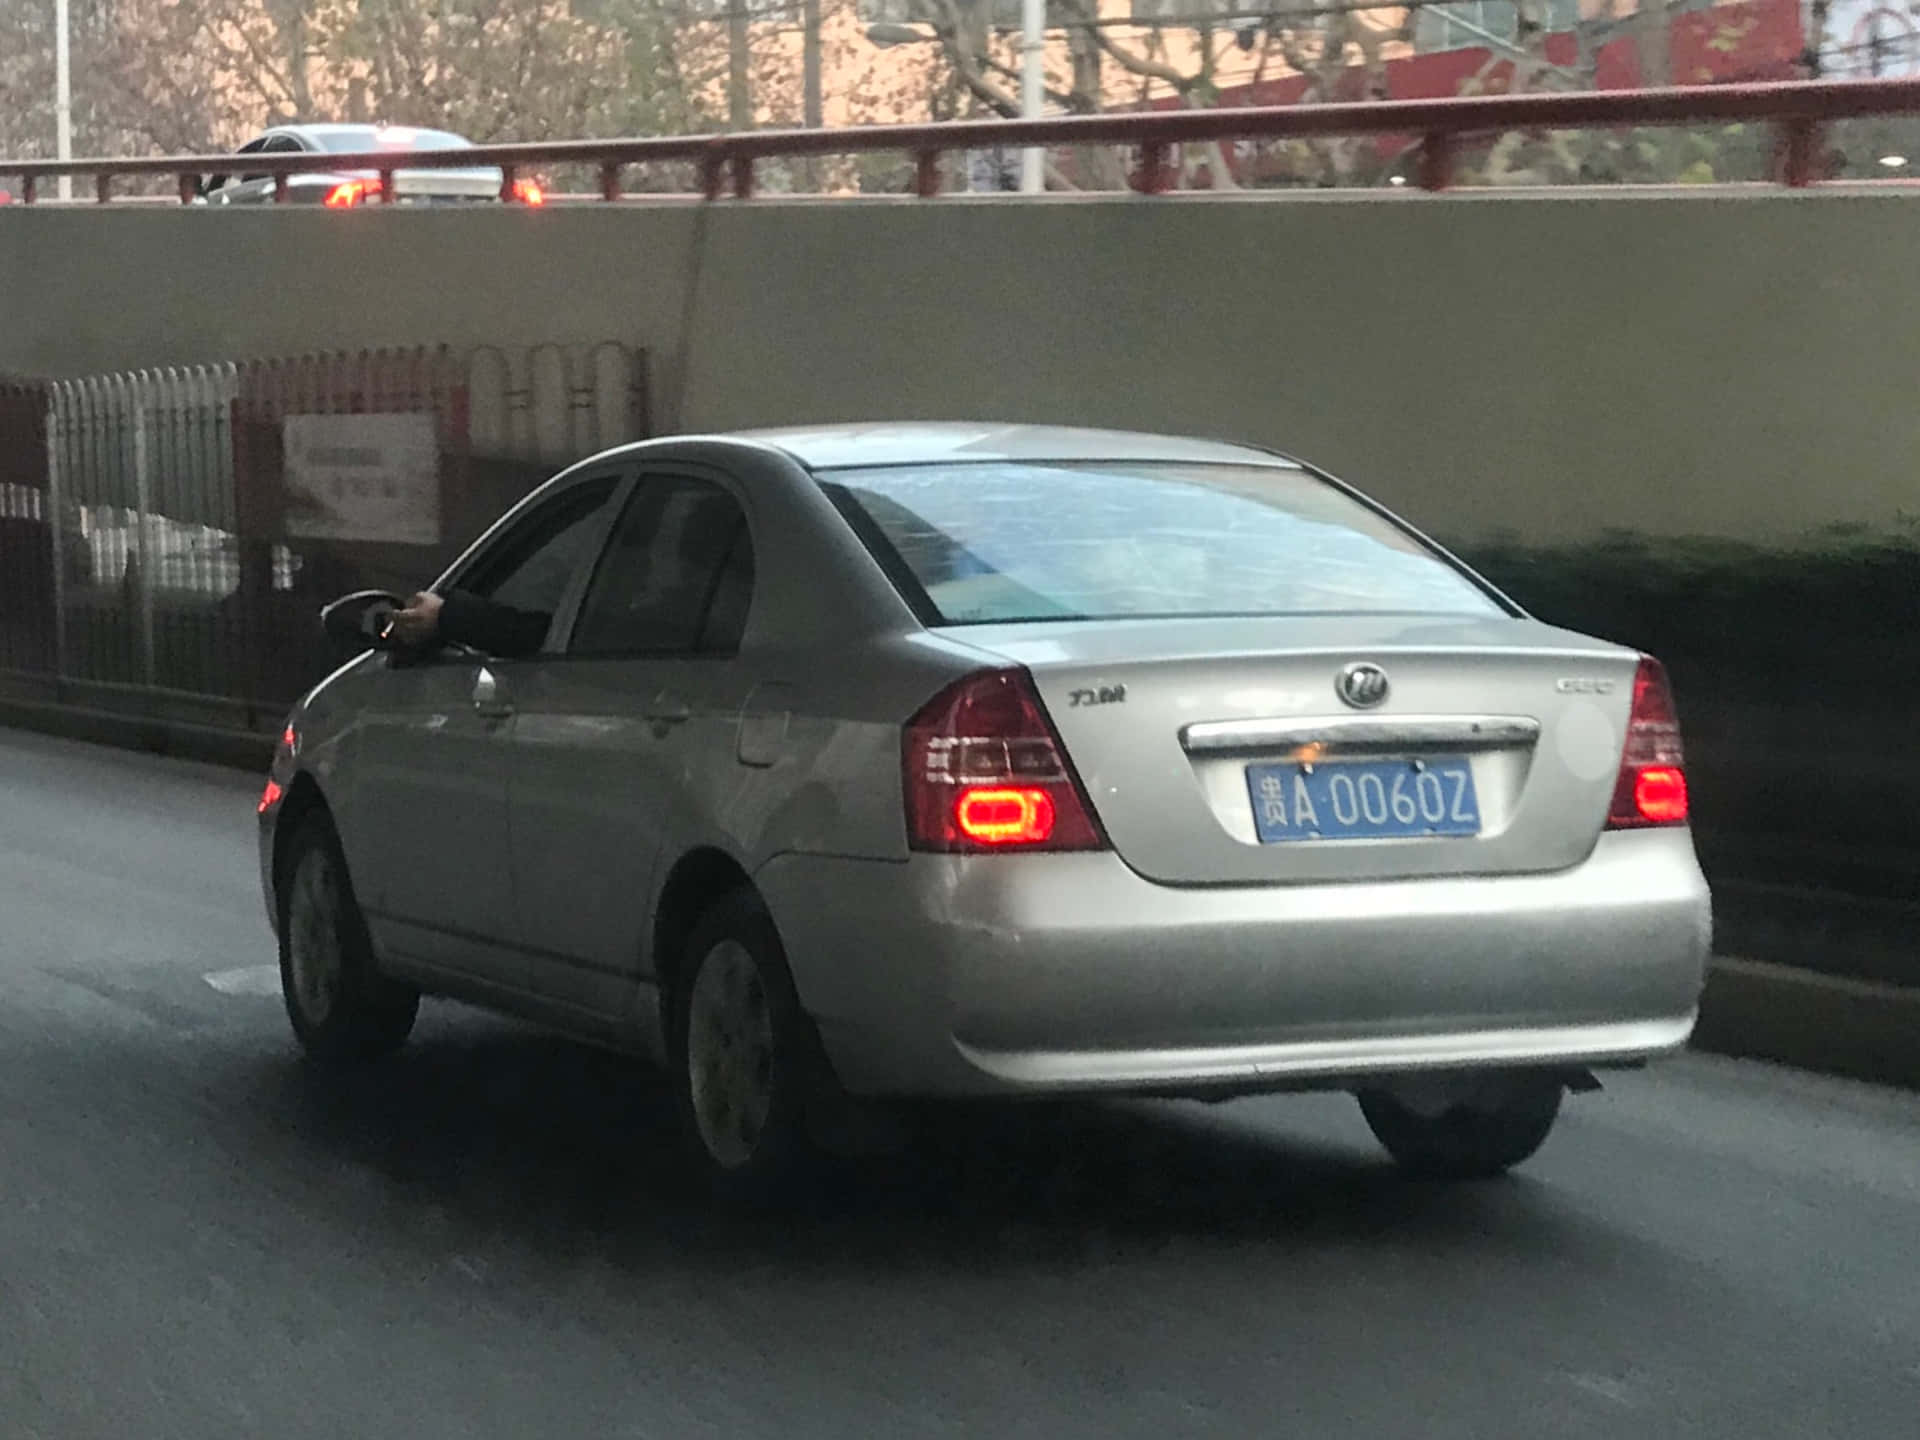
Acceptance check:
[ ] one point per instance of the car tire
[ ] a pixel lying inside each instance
(1475, 1138)
(341, 1007)
(747, 1062)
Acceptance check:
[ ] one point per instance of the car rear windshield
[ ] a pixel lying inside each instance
(980, 543)
(366, 139)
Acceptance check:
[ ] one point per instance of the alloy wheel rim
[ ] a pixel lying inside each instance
(730, 1054)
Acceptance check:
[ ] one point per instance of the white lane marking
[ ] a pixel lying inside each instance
(248, 980)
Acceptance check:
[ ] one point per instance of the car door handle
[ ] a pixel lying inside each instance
(667, 711)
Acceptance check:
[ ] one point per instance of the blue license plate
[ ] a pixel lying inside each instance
(1364, 799)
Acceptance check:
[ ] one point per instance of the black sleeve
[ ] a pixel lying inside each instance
(466, 619)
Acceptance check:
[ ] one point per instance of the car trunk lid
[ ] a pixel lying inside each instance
(1175, 727)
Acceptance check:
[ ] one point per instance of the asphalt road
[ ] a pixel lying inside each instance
(489, 1235)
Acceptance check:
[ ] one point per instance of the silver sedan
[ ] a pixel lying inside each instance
(912, 761)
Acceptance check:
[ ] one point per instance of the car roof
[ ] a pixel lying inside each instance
(321, 129)
(842, 447)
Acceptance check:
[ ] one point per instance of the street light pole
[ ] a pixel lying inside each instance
(62, 95)
(1033, 49)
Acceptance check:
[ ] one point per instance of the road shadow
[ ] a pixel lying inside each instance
(512, 1130)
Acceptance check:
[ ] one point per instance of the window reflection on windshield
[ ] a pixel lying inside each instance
(996, 542)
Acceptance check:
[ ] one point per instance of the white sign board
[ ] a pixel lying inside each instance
(362, 477)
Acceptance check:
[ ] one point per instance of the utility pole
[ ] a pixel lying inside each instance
(812, 116)
(739, 100)
(62, 94)
(1033, 50)
(811, 109)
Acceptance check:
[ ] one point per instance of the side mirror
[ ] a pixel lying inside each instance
(358, 621)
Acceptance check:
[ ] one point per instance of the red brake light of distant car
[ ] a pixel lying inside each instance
(985, 771)
(528, 192)
(1652, 788)
(349, 193)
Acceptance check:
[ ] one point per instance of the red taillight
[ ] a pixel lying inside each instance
(1660, 794)
(269, 797)
(1001, 816)
(349, 193)
(984, 771)
(528, 192)
(1652, 788)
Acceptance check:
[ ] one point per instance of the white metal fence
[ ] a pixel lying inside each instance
(155, 510)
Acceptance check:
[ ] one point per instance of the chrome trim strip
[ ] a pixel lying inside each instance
(1308, 1059)
(1359, 735)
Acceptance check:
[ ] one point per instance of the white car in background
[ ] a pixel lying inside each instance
(359, 184)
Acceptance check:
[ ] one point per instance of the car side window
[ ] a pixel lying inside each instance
(530, 568)
(252, 147)
(676, 577)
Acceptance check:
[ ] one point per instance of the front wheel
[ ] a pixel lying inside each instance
(1470, 1135)
(747, 1061)
(341, 1007)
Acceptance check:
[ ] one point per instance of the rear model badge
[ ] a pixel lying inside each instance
(1583, 685)
(1362, 685)
(1101, 695)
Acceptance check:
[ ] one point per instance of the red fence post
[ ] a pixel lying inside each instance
(926, 173)
(1436, 160)
(1156, 175)
(1801, 142)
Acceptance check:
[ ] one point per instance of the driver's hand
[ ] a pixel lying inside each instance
(419, 623)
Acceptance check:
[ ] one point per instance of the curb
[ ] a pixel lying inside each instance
(1862, 1029)
(238, 749)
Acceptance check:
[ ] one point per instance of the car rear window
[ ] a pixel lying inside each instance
(980, 543)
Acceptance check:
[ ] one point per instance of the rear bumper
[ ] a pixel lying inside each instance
(957, 975)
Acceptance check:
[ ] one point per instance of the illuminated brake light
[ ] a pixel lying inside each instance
(528, 192)
(269, 797)
(1660, 794)
(1004, 817)
(983, 770)
(349, 193)
(1652, 786)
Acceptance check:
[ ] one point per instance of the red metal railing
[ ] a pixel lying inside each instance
(726, 162)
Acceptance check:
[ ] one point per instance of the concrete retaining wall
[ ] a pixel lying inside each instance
(1736, 364)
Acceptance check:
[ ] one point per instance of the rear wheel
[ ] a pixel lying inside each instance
(747, 1061)
(1464, 1133)
(341, 1007)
